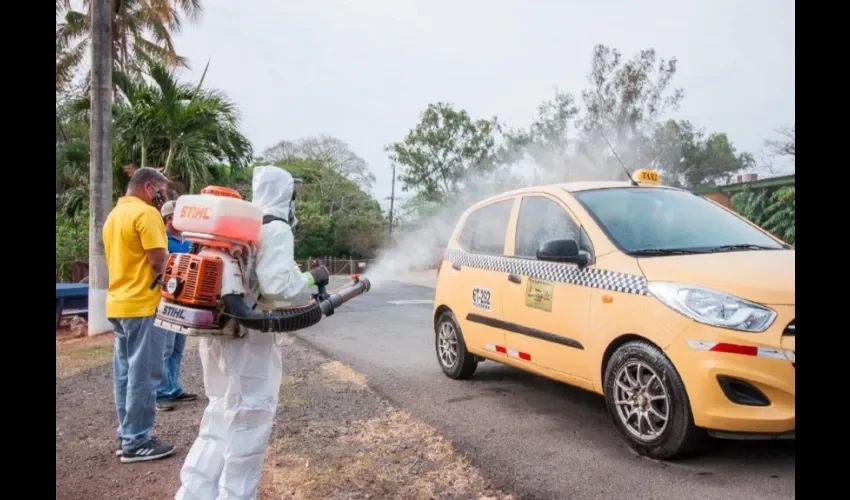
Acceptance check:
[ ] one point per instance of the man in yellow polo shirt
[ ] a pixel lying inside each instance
(135, 247)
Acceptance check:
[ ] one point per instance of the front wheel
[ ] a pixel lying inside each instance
(455, 361)
(648, 402)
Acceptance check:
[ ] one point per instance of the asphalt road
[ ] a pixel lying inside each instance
(528, 435)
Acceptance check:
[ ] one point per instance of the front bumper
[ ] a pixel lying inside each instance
(736, 382)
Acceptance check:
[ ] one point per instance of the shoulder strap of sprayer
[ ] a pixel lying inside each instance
(272, 218)
(267, 219)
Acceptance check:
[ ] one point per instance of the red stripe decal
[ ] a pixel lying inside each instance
(747, 350)
(501, 350)
(525, 356)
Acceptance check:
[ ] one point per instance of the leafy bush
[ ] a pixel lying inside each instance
(72, 241)
(773, 211)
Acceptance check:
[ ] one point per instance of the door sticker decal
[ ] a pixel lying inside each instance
(538, 294)
(481, 298)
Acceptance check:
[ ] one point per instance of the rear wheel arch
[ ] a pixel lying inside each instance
(439, 312)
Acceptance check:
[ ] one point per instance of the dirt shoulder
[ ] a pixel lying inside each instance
(334, 438)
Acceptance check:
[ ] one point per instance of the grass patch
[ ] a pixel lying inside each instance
(76, 356)
(394, 456)
(342, 373)
(290, 397)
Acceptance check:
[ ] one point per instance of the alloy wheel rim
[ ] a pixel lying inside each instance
(447, 345)
(642, 401)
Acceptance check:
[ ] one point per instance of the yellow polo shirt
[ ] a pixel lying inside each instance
(131, 228)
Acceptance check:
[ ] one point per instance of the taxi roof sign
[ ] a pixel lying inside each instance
(645, 176)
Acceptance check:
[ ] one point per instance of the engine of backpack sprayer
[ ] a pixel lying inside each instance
(206, 292)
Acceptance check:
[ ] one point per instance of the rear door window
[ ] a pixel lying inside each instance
(485, 229)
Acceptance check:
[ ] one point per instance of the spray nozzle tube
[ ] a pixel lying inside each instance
(295, 318)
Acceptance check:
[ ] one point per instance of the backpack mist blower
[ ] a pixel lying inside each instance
(205, 292)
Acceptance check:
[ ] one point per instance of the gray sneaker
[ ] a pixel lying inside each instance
(152, 450)
(118, 449)
(164, 405)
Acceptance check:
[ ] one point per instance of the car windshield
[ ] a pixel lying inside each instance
(656, 221)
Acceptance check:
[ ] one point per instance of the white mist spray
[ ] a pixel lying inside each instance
(417, 249)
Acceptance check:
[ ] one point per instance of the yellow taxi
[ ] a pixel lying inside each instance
(677, 310)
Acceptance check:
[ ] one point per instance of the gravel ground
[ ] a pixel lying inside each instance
(334, 437)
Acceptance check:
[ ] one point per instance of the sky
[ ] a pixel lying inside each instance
(363, 70)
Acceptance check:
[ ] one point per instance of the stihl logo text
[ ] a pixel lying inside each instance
(190, 212)
(173, 312)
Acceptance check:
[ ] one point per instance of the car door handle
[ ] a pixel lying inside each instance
(455, 266)
(513, 278)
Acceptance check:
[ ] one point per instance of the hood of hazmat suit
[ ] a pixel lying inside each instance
(242, 375)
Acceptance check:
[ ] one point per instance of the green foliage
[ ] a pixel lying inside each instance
(774, 211)
(189, 131)
(689, 158)
(618, 118)
(72, 241)
(141, 33)
(444, 149)
(335, 216)
(185, 129)
(325, 151)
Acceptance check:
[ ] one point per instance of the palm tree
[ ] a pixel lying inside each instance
(141, 31)
(100, 178)
(185, 129)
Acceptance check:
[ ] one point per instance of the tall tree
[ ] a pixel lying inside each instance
(547, 141)
(326, 151)
(335, 215)
(100, 185)
(444, 150)
(618, 112)
(689, 158)
(183, 128)
(622, 106)
(627, 96)
(785, 144)
(142, 32)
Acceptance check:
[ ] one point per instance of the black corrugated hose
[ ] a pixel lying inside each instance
(292, 318)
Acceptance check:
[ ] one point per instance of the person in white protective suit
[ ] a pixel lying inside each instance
(242, 376)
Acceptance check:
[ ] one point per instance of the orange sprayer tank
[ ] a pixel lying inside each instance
(193, 280)
(219, 211)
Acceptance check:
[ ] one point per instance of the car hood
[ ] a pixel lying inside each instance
(762, 276)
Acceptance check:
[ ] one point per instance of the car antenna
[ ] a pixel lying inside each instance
(632, 181)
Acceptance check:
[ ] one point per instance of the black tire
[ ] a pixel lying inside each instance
(464, 363)
(680, 437)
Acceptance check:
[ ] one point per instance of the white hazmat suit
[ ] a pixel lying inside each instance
(242, 376)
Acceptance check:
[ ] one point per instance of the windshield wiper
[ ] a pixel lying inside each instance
(665, 251)
(742, 246)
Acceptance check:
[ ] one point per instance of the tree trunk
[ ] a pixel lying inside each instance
(169, 159)
(100, 169)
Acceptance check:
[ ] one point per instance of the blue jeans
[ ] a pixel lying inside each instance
(137, 370)
(172, 354)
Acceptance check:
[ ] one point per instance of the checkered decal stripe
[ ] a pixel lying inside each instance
(552, 271)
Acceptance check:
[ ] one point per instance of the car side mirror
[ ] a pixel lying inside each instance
(565, 251)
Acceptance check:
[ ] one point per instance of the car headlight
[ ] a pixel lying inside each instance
(712, 307)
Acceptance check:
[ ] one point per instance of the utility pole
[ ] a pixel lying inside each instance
(100, 168)
(392, 204)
